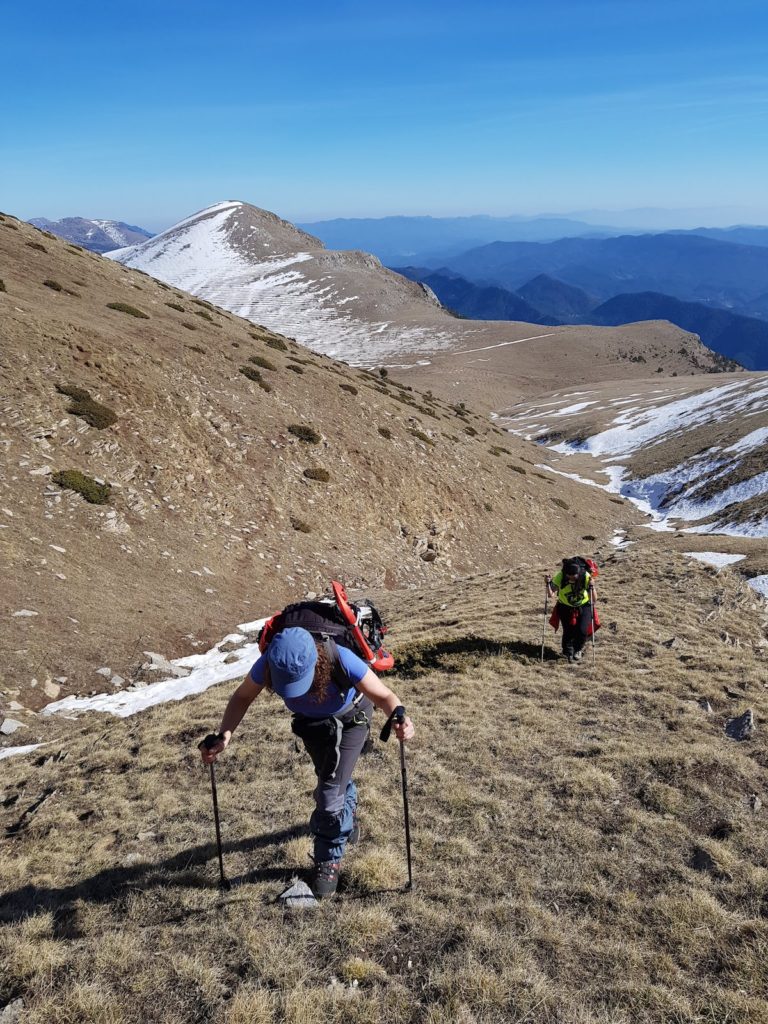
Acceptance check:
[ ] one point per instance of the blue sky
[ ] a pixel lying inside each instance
(148, 111)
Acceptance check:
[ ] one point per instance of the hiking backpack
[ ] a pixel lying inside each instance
(338, 620)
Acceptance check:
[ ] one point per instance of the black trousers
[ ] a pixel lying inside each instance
(575, 623)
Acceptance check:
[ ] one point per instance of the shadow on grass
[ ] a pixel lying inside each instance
(452, 655)
(111, 884)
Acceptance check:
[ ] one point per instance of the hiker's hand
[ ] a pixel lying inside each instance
(404, 730)
(212, 746)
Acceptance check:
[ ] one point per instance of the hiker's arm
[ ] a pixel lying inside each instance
(551, 587)
(236, 707)
(385, 700)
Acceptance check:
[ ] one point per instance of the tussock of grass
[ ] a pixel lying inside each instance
(300, 525)
(2, 285)
(36, 245)
(386, 432)
(197, 348)
(276, 343)
(349, 387)
(304, 433)
(124, 307)
(295, 367)
(421, 436)
(262, 361)
(177, 306)
(204, 314)
(317, 473)
(54, 285)
(90, 489)
(87, 408)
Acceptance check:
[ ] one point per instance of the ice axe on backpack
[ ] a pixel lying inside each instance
(210, 741)
(398, 715)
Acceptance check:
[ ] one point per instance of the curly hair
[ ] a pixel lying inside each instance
(318, 691)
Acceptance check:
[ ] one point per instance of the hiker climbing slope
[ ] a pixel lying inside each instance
(574, 589)
(332, 699)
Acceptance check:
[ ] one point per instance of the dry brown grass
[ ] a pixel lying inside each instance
(556, 812)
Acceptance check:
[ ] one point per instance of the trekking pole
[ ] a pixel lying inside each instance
(544, 626)
(592, 612)
(208, 742)
(398, 715)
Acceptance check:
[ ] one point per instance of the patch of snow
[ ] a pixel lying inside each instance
(716, 558)
(760, 584)
(16, 751)
(569, 409)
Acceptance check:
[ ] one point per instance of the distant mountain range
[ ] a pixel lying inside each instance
(97, 235)
(411, 241)
(545, 300)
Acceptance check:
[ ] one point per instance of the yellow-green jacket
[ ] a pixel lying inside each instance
(566, 594)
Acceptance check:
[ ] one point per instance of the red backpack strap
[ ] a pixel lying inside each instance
(268, 630)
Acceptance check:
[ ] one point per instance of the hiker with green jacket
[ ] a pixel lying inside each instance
(574, 611)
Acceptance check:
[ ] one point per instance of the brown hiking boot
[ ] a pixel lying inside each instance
(326, 878)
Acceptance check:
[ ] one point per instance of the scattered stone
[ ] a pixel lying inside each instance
(106, 672)
(705, 705)
(13, 705)
(51, 689)
(741, 728)
(144, 837)
(755, 803)
(10, 726)
(673, 644)
(57, 548)
(298, 896)
(158, 663)
(11, 1013)
(117, 681)
(42, 471)
(24, 613)
(133, 859)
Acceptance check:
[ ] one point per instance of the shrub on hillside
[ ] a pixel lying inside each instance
(204, 314)
(123, 307)
(300, 525)
(38, 246)
(317, 473)
(349, 387)
(90, 489)
(304, 433)
(13, 227)
(560, 502)
(386, 432)
(255, 376)
(517, 469)
(262, 362)
(94, 413)
(176, 306)
(471, 431)
(2, 285)
(276, 343)
(421, 436)
(54, 286)
(190, 327)
(197, 348)
(295, 368)
(202, 302)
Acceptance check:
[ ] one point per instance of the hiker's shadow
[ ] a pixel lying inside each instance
(111, 884)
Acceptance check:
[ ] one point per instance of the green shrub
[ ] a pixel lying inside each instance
(14, 227)
(317, 473)
(235, 344)
(48, 234)
(488, 506)
(383, 371)
(75, 248)
(204, 314)
(295, 368)
(300, 525)
(304, 433)
(38, 246)
(262, 362)
(190, 327)
(560, 503)
(471, 431)
(349, 387)
(421, 436)
(90, 489)
(2, 285)
(123, 307)
(386, 432)
(517, 469)
(72, 391)
(54, 285)
(589, 536)
(276, 343)
(264, 386)
(202, 302)
(176, 306)
(250, 373)
(197, 348)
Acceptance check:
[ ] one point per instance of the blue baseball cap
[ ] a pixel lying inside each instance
(292, 657)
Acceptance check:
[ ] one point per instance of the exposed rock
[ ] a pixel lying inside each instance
(231, 659)
(11, 1013)
(674, 644)
(9, 726)
(51, 689)
(158, 663)
(705, 705)
(755, 803)
(298, 896)
(741, 728)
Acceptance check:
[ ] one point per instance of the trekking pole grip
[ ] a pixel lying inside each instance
(210, 741)
(398, 715)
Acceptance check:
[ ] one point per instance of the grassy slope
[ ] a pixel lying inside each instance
(556, 816)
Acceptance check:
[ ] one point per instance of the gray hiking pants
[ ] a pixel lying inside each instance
(334, 744)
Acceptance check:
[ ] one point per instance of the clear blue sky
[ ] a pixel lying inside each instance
(147, 111)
